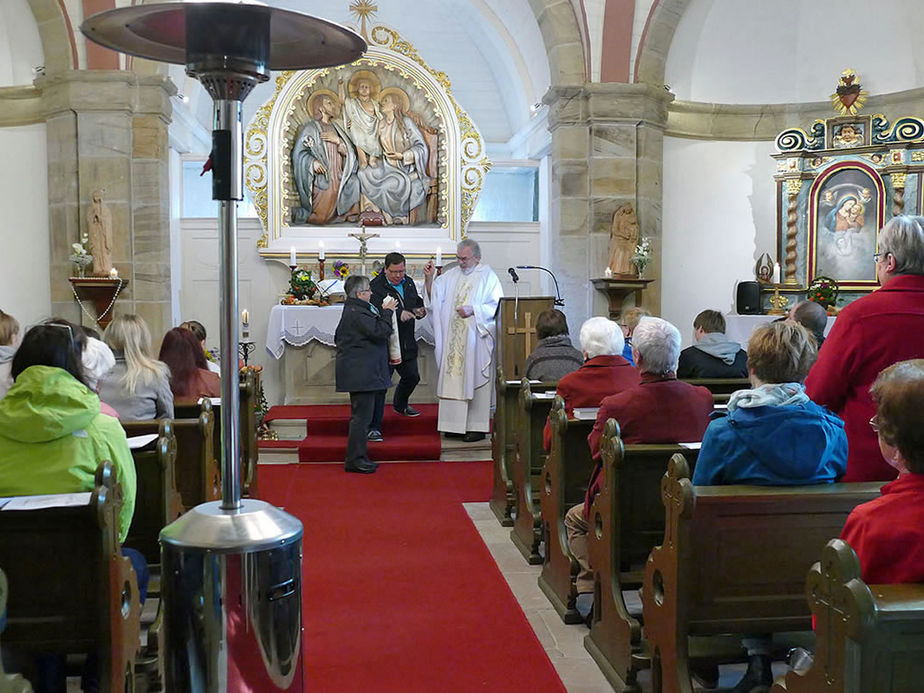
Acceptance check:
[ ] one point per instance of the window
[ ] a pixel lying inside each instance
(197, 194)
(510, 193)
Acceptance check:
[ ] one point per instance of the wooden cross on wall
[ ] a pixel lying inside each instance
(528, 330)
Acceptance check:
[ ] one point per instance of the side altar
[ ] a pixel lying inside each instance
(302, 337)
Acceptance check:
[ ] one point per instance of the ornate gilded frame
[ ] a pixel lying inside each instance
(890, 154)
(268, 167)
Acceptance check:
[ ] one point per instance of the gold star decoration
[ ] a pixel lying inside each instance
(363, 9)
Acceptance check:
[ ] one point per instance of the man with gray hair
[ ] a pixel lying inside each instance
(461, 303)
(870, 334)
(660, 409)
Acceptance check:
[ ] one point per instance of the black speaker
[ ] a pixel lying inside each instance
(748, 302)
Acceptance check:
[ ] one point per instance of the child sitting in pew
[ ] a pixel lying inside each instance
(772, 435)
(888, 533)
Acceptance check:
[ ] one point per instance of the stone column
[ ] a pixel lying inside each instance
(606, 150)
(107, 129)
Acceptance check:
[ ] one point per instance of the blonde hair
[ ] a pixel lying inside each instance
(9, 328)
(632, 316)
(130, 335)
(781, 352)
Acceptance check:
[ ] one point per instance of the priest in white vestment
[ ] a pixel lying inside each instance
(461, 303)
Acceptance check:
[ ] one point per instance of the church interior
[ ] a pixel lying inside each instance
(605, 155)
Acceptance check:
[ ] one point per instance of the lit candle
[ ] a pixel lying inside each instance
(292, 259)
(321, 250)
(113, 273)
(776, 272)
(245, 317)
(439, 257)
(607, 273)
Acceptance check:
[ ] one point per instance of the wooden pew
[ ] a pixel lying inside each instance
(157, 501)
(71, 590)
(564, 483)
(721, 388)
(197, 478)
(867, 637)
(503, 498)
(250, 450)
(528, 461)
(733, 561)
(627, 522)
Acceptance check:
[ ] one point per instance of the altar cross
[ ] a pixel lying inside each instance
(528, 330)
(362, 237)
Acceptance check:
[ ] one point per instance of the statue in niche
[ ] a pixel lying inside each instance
(324, 162)
(99, 232)
(623, 239)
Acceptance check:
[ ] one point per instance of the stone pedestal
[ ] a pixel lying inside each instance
(107, 130)
(606, 151)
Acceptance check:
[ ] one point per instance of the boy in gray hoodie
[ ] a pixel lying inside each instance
(713, 356)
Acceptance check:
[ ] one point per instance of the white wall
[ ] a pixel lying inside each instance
(20, 44)
(793, 51)
(25, 289)
(719, 217)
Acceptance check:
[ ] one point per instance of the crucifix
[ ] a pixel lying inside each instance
(362, 238)
(528, 330)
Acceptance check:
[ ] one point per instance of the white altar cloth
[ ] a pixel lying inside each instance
(298, 325)
(738, 328)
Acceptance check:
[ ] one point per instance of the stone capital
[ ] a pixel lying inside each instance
(20, 106)
(106, 90)
(607, 103)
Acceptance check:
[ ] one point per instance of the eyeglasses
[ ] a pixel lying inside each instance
(878, 256)
(874, 424)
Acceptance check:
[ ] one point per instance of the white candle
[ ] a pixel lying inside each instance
(439, 257)
(292, 259)
(607, 273)
(776, 272)
(321, 250)
(245, 317)
(113, 273)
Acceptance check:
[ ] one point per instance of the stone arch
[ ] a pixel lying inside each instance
(656, 40)
(562, 38)
(57, 35)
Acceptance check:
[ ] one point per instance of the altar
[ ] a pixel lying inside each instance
(302, 337)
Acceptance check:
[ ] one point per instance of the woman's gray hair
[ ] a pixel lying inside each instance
(903, 237)
(658, 345)
(354, 284)
(601, 337)
(470, 243)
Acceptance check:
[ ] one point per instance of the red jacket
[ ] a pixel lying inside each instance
(870, 334)
(888, 533)
(658, 410)
(589, 384)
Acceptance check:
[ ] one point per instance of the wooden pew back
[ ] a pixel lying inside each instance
(503, 498)
(71, 590)
(157, 501)
(250, 450)
(529, 459)
(564, 483)
(626, 522)
(867, 638)
(721, 388)
(733, 560)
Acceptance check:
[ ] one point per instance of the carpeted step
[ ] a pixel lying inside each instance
(332, 448)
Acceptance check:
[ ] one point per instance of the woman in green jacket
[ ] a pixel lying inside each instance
(52, 435)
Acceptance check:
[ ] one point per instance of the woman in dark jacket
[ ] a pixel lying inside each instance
(362, 364)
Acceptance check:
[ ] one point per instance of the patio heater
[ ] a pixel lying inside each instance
(231, 569)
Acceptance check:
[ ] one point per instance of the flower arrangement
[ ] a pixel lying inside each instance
(642, 256)
(823, 290)
(301, 285)
(80, 257)
(341, 270)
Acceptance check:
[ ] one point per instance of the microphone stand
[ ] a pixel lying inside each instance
(559, 301)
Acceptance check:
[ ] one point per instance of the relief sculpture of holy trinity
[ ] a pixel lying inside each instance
(367, 143)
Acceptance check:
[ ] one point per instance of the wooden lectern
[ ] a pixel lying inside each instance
(516, 331)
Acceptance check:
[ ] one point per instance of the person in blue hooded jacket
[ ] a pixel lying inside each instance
(773, 435)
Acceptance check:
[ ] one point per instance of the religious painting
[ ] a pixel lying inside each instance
(366, 143)
(846, 212)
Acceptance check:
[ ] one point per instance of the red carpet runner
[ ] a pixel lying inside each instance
(406, 438)
(400, 593)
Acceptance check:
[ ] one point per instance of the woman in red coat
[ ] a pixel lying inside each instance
(888, 533)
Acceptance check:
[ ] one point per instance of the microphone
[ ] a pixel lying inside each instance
(513, 274)
(559, 301)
